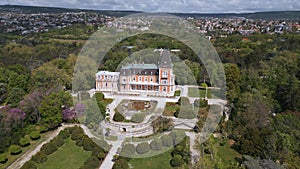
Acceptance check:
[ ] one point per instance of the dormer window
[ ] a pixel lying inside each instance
(165, 74)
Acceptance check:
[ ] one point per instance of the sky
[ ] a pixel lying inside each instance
(178, 6)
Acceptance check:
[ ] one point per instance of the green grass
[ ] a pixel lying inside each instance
(195, 92)
(170, 108)
(177, 93)
(69, 156)
(155, 162)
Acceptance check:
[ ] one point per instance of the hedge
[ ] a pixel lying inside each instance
(118, 117)
(39, 158)
(29, 165)
(49, 148)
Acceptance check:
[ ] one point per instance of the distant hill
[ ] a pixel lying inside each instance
(120, 13)
(255, 15)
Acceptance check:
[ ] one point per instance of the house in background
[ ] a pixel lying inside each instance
(139, 78)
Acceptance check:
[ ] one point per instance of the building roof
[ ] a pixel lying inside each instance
(140, 66)
(165, 61)
(107, 73)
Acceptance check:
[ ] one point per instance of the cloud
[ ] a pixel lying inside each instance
(197, 6)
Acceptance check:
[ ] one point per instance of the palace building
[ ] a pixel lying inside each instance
(144, 79)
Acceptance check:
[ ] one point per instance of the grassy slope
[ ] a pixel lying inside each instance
(69, 156)
(155, 162)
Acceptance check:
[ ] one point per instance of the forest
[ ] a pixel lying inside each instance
(262, 87)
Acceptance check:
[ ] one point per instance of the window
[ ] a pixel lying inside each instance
(124, 87)
(164, 89)
(140, 79)
(98, 76)
(164, 82)
(134, 79)
(124, 79)
(146, 79)
(112, 85)
(106, 84)
(165, 74)
(151, 79)
(151, 73)
(124, 73)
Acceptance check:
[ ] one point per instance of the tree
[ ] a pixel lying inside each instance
(161, 124)
(232, 73)
(51, 108)
(176, 161)
(30, 104)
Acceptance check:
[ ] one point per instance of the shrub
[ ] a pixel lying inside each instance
(64, 134)
(49, 148)
(184, 101)
(3, 158)
(103, 144)
(176, 161)
(58, 141)
(39, 158)
(167, 141)
(92, 162)
(121, 164)
(185, 112)
(24, 142)
(128, 150)
(177, 136)
(118, 117)
(138, 118)
(77, 134)
(161, 124)
(29, 165)
(35, 135)
(101, 156)
(88, 144)
(156, 144)
(15, 149)
(142, 148)
(43, 129)
(200, 103)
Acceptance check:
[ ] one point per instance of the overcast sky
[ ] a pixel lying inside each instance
(197, 6)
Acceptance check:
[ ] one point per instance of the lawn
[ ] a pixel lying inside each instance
(155, 162)
(69, 156)
(195, 92)
(170, 109)
(177, 93)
